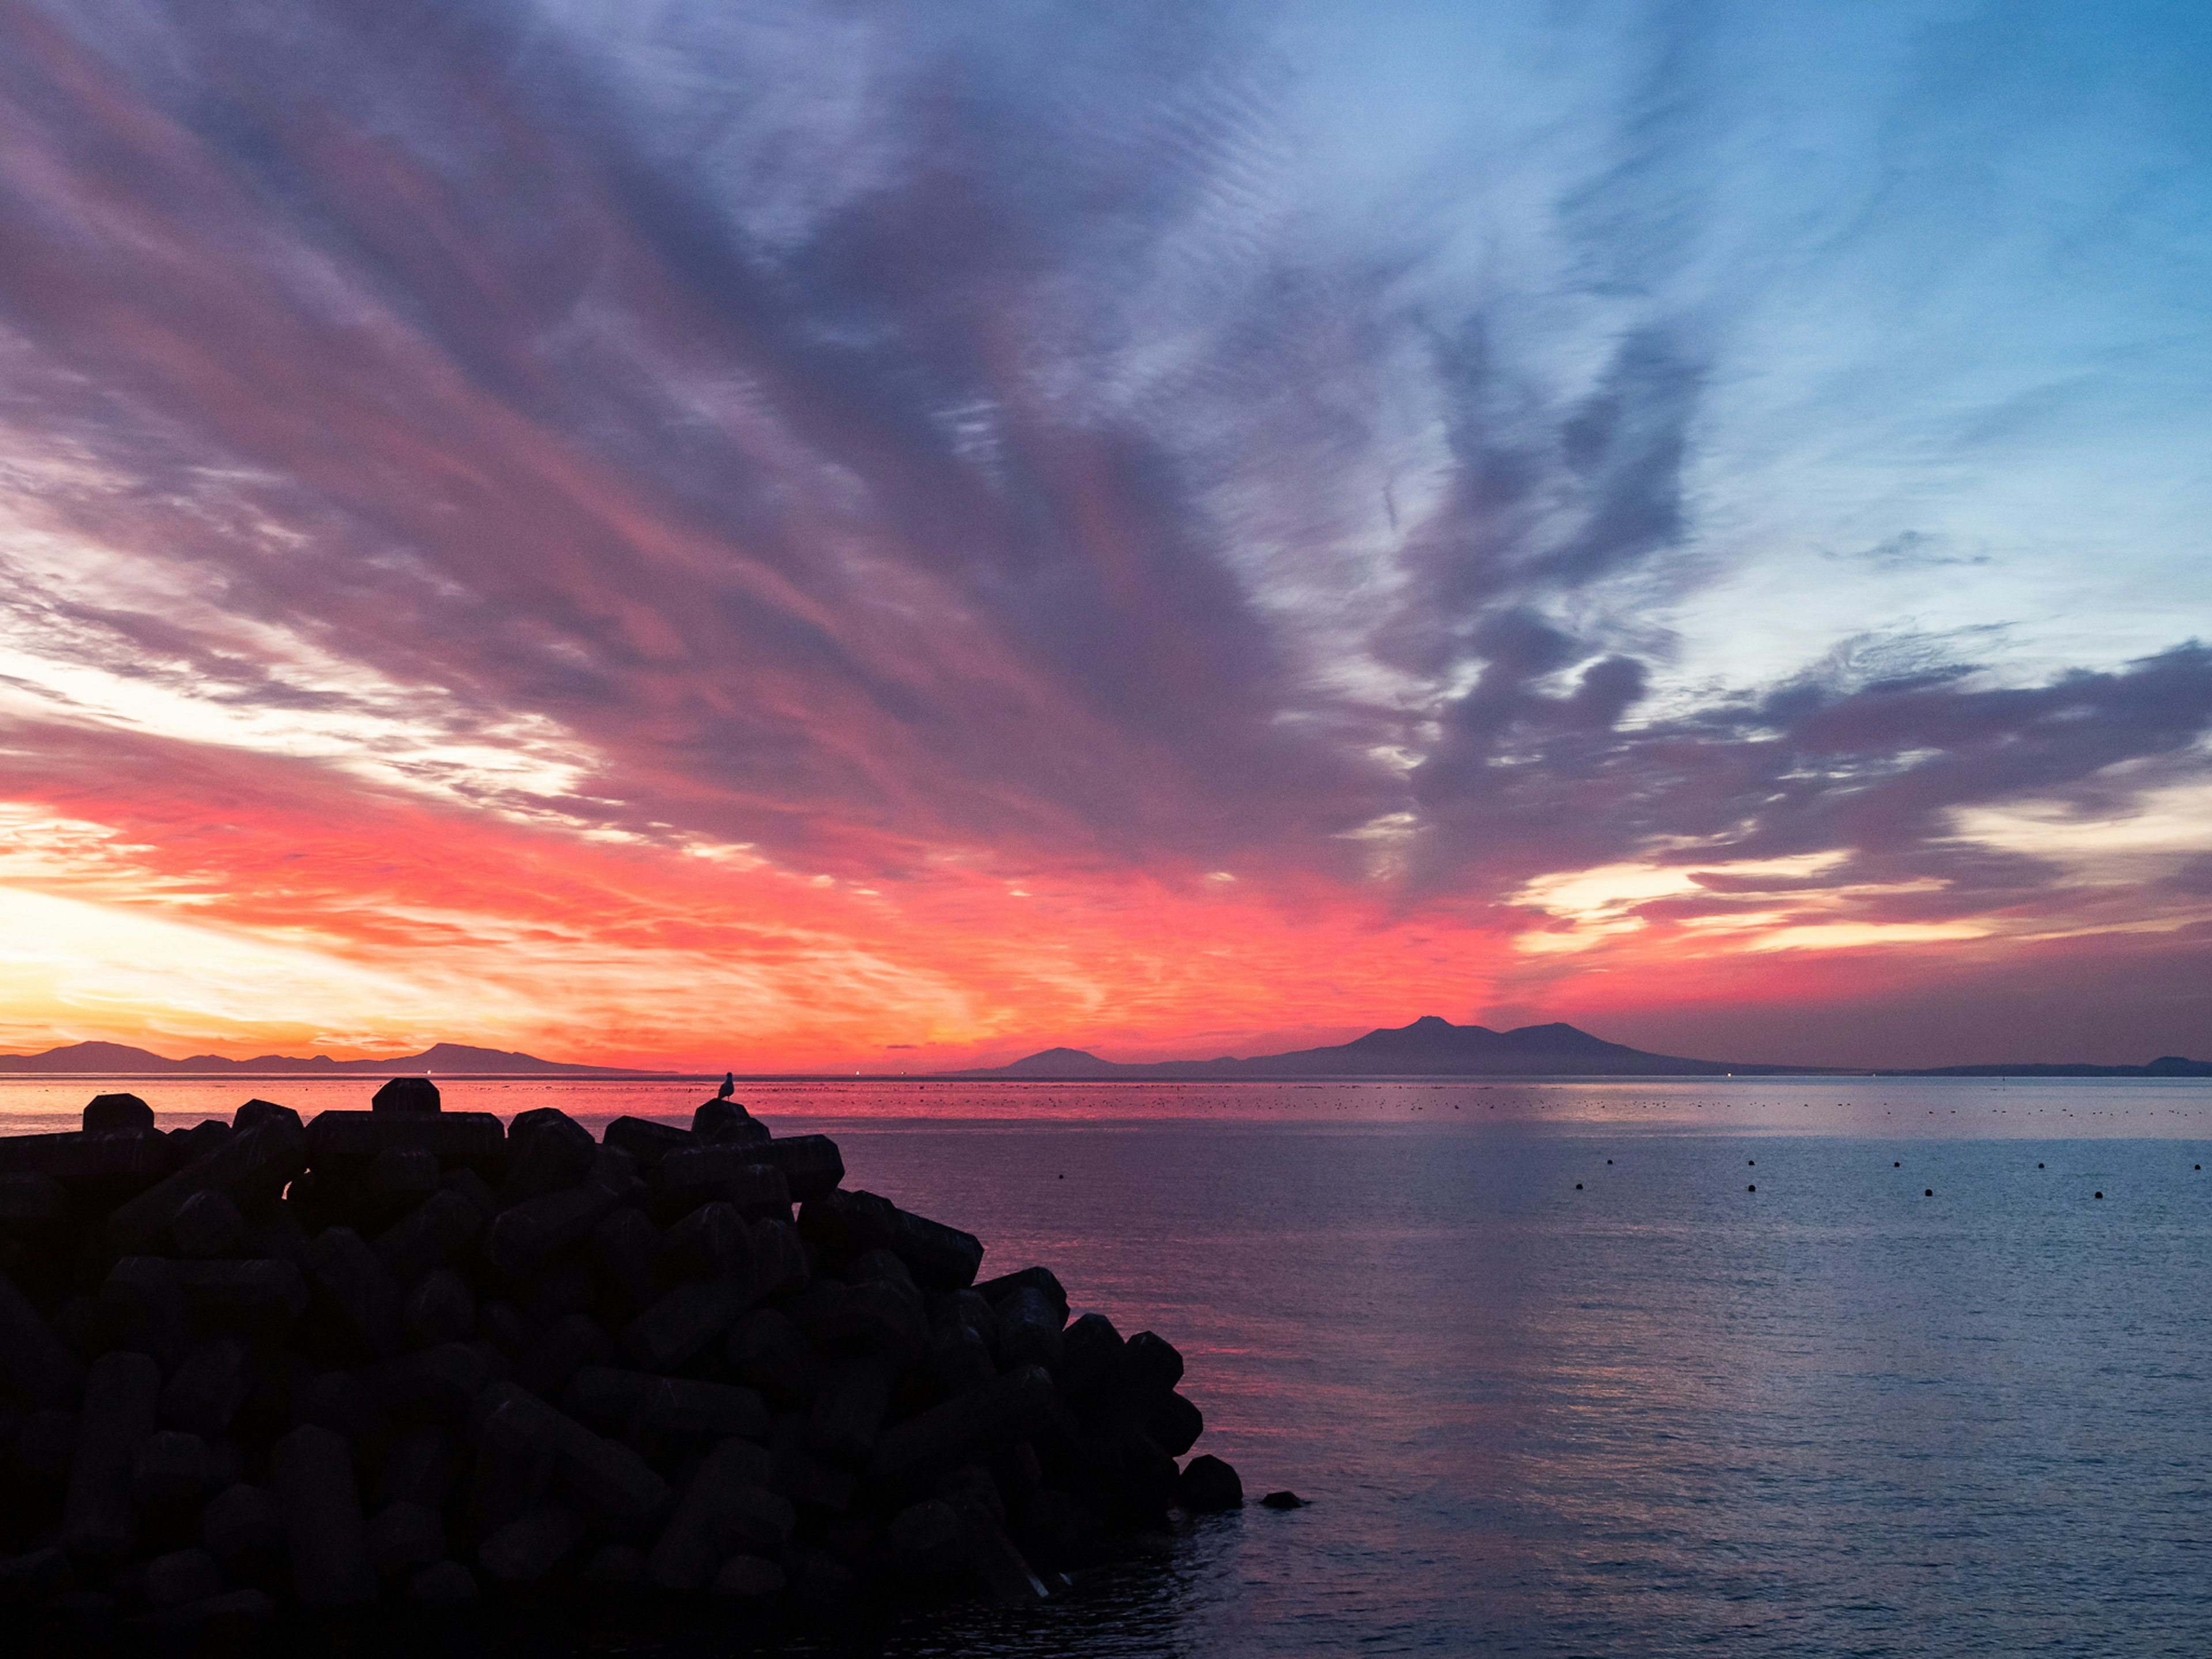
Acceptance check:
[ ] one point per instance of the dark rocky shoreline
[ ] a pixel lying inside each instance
(263, 1372)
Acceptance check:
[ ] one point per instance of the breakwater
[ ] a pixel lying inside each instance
(404, 1356)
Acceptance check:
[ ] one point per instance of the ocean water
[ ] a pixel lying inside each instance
(1922, 1392)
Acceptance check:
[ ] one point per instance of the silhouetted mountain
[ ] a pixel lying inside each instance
(441, 1059)
(1429, 1046)
(1057, 1062)
(92, 1057)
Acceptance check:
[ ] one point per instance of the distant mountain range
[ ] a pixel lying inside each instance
(442, 1059)
(1431, 1046)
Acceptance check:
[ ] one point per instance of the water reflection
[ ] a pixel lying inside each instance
(1656, 1414)
(1936, 1108)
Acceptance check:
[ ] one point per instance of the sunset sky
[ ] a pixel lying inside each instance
(884, 536)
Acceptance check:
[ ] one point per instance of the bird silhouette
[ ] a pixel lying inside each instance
(729, 1086)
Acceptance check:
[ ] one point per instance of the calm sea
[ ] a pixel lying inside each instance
(1920, 1392)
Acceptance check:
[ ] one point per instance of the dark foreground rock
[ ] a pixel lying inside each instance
(404, 1359)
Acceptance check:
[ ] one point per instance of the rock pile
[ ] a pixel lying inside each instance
(406, 1355)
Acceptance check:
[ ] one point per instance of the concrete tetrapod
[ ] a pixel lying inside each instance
(412, 1359)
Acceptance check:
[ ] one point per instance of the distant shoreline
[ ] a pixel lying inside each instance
(1429, 1049)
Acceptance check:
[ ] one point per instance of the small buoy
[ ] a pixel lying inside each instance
(1927, 1193)
(2100, 1194)
(1751, 1161)
(1063, 1177)
(1753, 1187)
(1897, 1166)
(2039, 1166)
(1578, 1186)
(2199, 1166)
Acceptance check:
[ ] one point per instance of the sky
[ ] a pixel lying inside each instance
(876, 536)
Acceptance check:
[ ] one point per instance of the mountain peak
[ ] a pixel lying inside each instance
(1428, 1031)
(1060, 1062)
(95, 1055)
(447, 1053)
